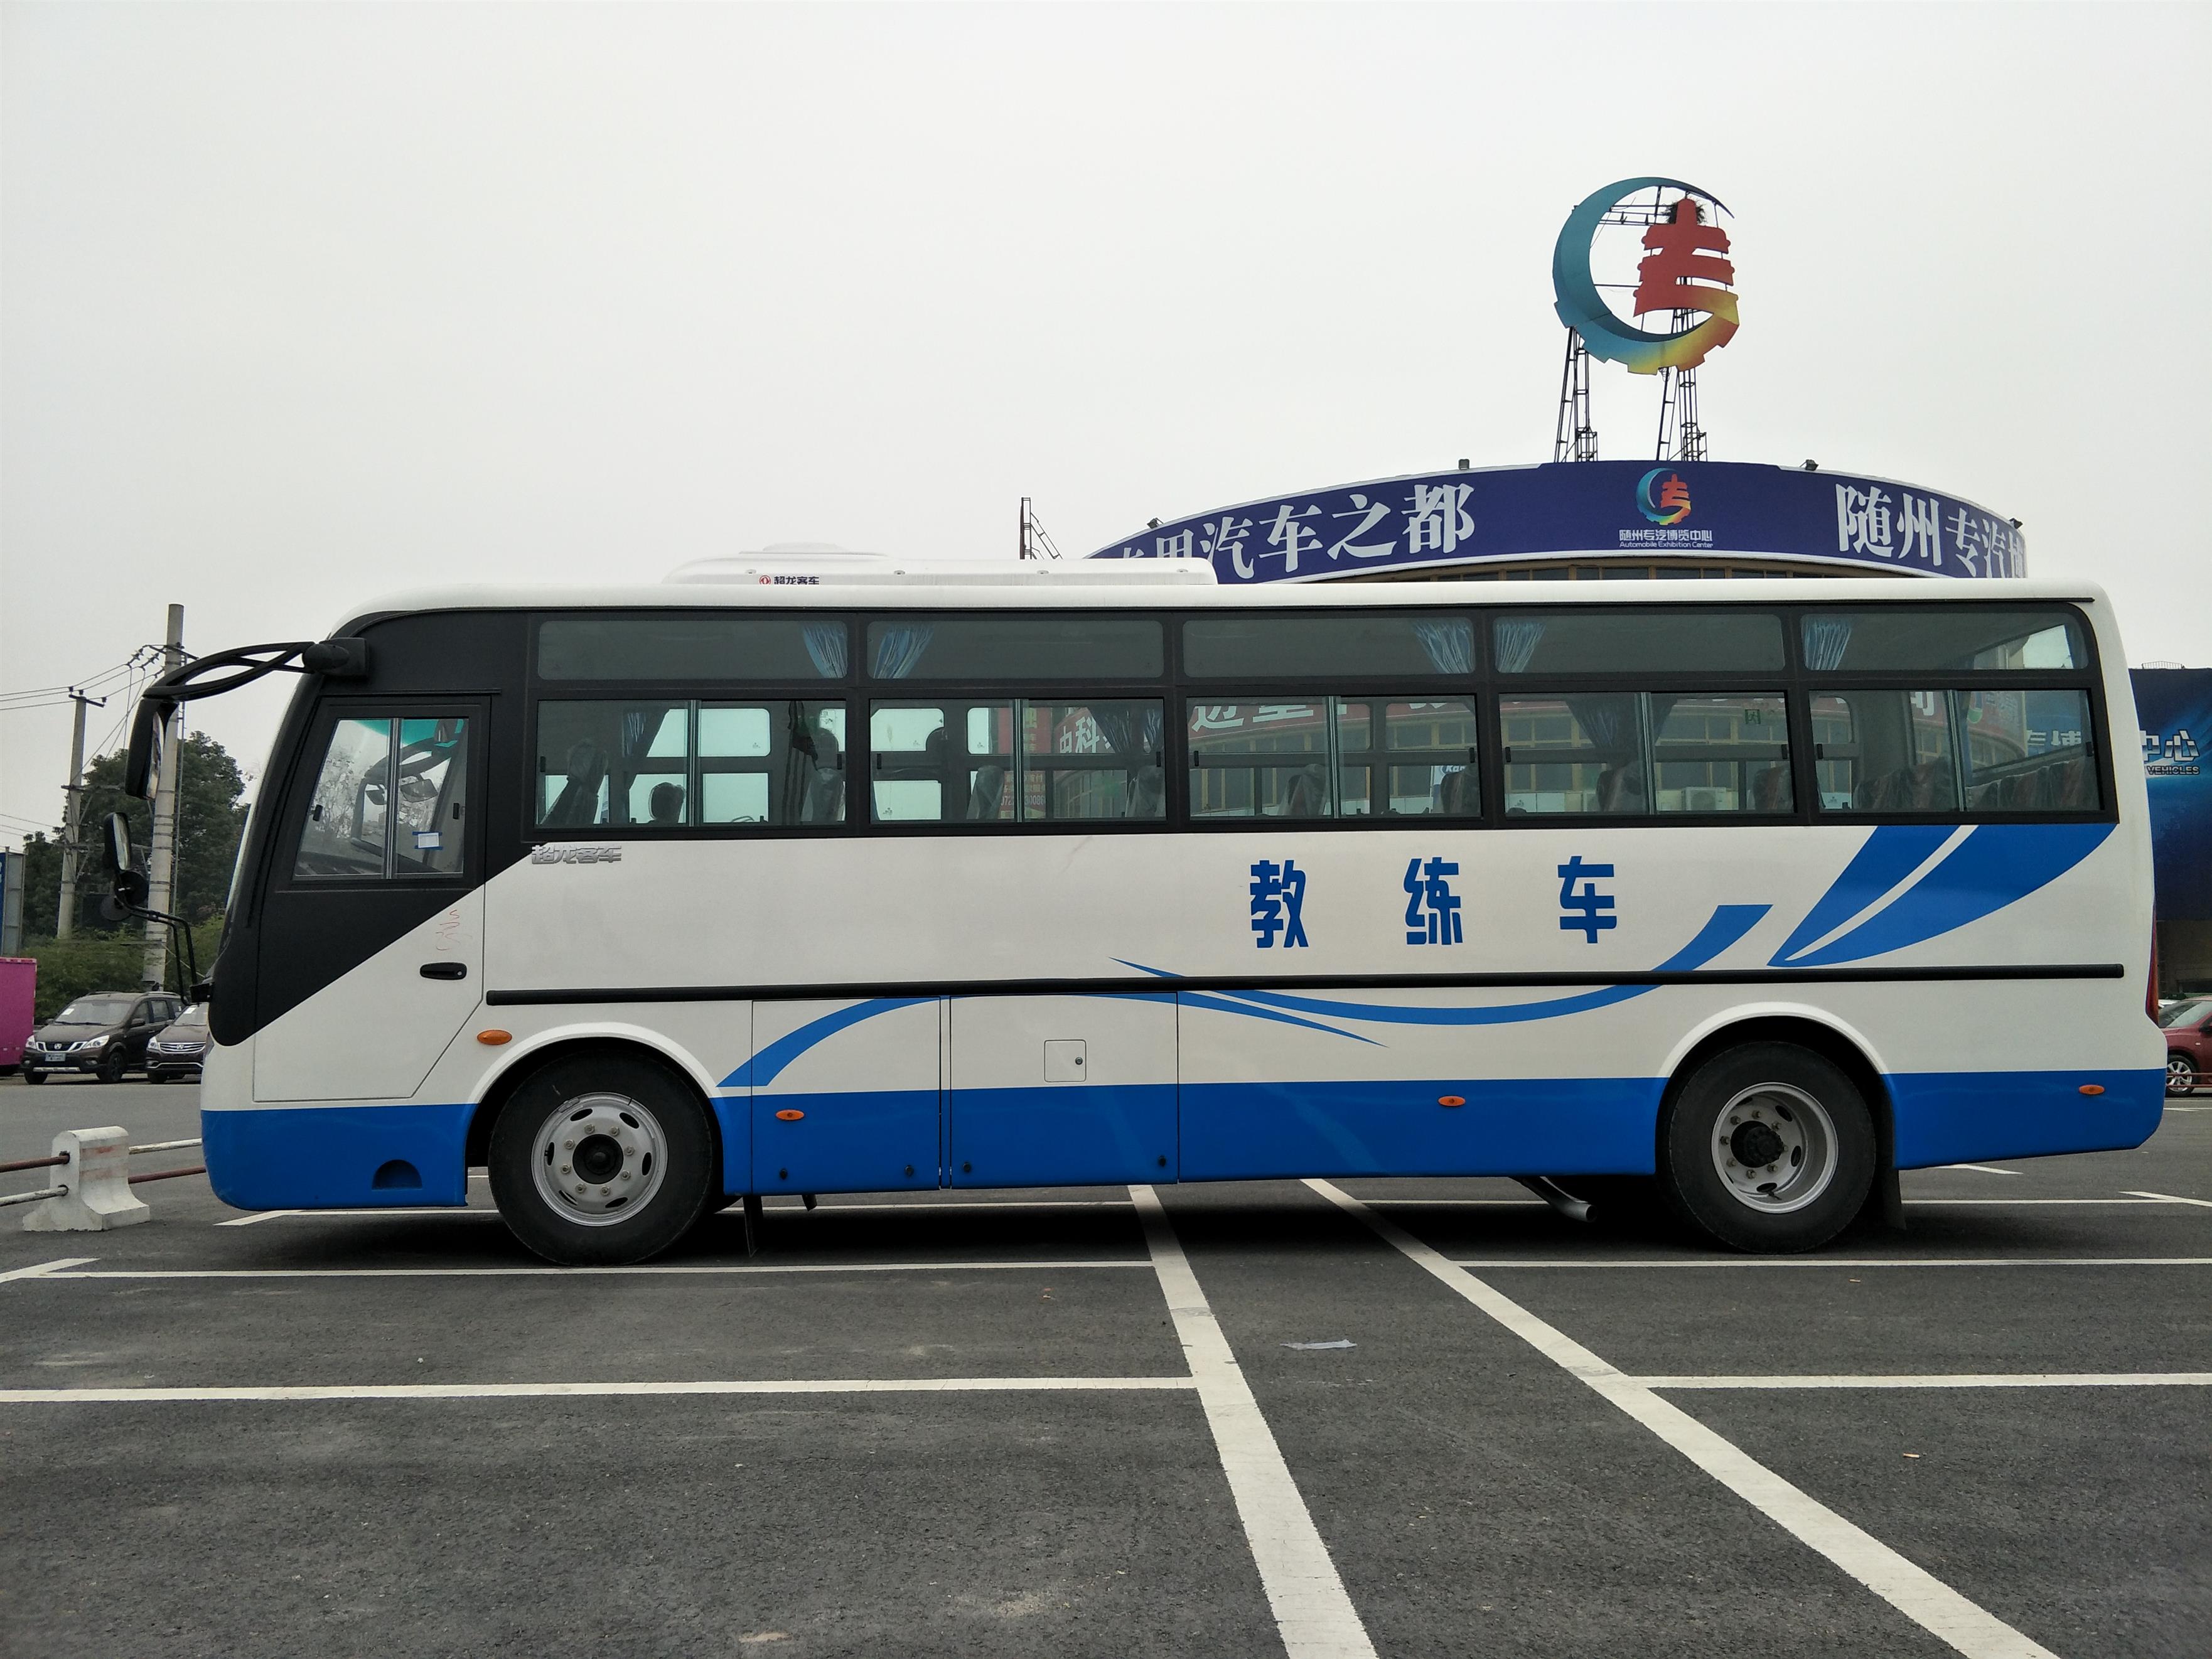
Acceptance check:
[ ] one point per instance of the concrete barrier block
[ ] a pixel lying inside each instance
(98, 1176)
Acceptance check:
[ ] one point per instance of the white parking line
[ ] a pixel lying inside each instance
(1967, 1380)
(708, 1269)
(595, 1390)
(1912, 1590)
(2136, 1201)
(2168, 1198)
(46, 1269)
(1501, 1263)
(1985, 1169)
(1313, 1614)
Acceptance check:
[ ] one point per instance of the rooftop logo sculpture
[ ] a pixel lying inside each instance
(1682, 272)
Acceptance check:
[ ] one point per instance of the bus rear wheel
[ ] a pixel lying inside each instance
(1767, 1147)
(600, 1161)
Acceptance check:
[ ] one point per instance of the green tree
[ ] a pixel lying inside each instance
(209, 818)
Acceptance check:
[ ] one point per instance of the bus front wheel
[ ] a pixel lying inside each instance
(1767, 1147)
(600, 1161)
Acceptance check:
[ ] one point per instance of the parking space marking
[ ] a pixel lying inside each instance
(257, 1217)
(595, 1390)
(1313, 1613)
(1985, 1169)
(2134, 1201)
(2168, 1198)
(46, 1269)
(1921, 1596)
(1969, 1380)
(704, 1268)
(1758, 1261)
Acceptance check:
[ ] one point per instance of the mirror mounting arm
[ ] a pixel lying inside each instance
(343, 659)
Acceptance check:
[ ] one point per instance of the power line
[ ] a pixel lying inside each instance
(48, 695)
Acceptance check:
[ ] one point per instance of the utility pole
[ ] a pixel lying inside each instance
(161, 850)
(73, 817)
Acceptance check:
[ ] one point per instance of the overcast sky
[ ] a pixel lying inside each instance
(302, 304)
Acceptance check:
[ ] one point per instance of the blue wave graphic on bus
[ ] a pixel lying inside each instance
(1992, 865)
(761, 1069)
(1728, 924)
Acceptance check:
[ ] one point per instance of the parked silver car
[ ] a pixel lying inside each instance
(177, 1051)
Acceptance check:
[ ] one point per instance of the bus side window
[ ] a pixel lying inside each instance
(432, 796)
(1885, 751)
(345, 833)
(390, 799)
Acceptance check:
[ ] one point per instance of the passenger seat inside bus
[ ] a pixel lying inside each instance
(579, 801)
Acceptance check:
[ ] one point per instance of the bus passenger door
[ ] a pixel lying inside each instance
(1066, 1091)
(371, 941)
(845, 1095)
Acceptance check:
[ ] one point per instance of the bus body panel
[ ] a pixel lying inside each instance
(845, 1096)
(378, 1030)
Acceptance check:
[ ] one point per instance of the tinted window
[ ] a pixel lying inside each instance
(1573, 754)
(1885, 751)
(390, 799)
(2027, 751)
(661, 763)
(1017, 762)
(1334, 757)
(693, 646)
(1063, 647)
(346, 830)
(1721, 752)
(1271, 647)
(1662, 640)
(1908, 639)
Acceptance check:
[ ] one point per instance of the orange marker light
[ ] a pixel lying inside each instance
(789, 1116)
(493, 1039)
(1451, 1100)
(2092, 1088)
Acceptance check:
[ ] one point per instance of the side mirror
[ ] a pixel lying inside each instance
(115, 845)
(115, 858)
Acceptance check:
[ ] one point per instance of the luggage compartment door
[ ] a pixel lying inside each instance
(1062, 1090)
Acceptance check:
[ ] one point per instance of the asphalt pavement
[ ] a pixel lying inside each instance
(1396, 1418)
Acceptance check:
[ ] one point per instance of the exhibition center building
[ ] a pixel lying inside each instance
(1594, 521)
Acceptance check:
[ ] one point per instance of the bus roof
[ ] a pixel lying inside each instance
(1021, 587)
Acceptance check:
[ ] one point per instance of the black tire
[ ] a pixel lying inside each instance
(110, 1069)
(640, 1123)
(2180, 1074)
(1788, 1107)
(34, 1077)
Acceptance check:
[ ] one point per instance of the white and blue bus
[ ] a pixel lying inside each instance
(653, 898)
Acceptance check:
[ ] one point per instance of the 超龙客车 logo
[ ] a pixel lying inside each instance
(1664, 498)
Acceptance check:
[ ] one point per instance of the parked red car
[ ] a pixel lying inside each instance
(2188, 1026)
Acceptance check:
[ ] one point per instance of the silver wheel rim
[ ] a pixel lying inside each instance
(1789, 1134)
(2180, 1075)
(598, 1159)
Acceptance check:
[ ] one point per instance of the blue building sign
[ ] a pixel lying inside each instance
(2173, 708)
(1688, 511)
